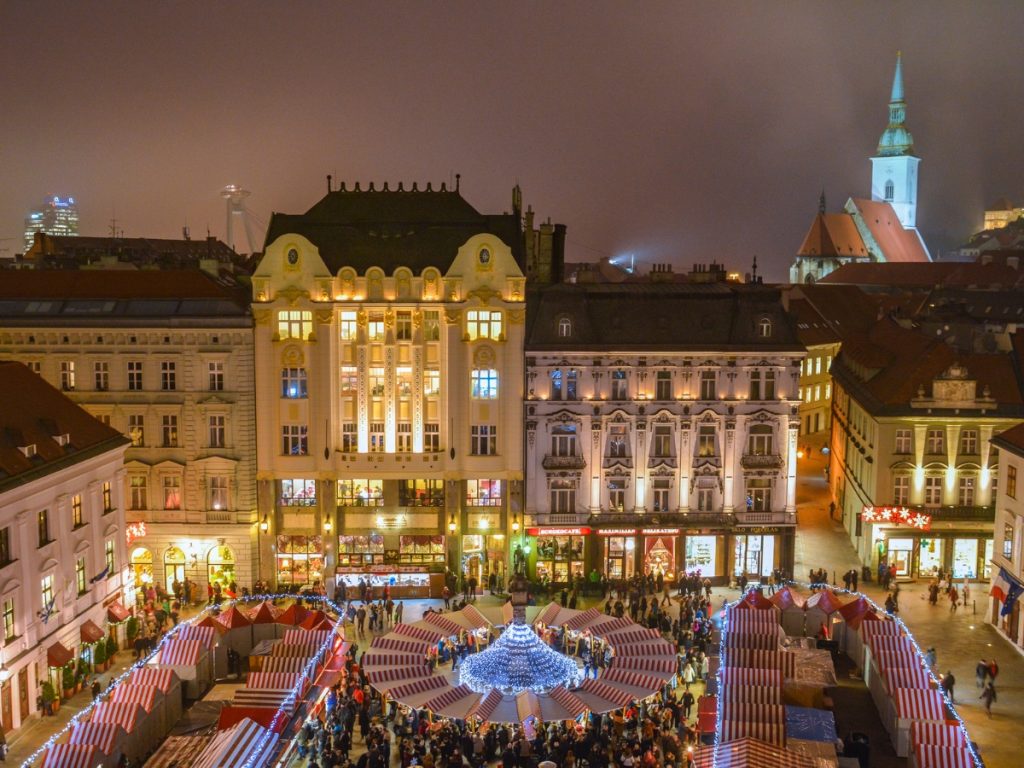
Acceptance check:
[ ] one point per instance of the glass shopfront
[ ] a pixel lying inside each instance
(560, 558)
(483, 555)
(174, 568)
(702, 555)
(619, 557)
(901, 554)
(365, 549)
(660, 554)
(754, 555)
(300, 560)
(986, 563)
(930, 558)
(421, 550)
(221, 567)
(142, 567)
(965, 558)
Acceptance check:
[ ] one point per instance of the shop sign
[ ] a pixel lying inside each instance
(897, 516)
(616, 532)
(758, 530)
(581, 531)
(134, 531)
(660, 531)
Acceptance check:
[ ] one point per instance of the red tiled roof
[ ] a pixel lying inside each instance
(33, 413)
(896, 243)
(833, 234)
(811, 327)
(1012, 439)
(897, 275)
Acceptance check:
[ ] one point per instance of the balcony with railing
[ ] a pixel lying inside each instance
(761, 461)
(768, 517)
(563, 462)
(675, 518)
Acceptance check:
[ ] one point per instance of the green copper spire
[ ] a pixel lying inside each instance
(896, 140)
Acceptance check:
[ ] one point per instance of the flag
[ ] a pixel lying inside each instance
(1006, 589)
(101, 575)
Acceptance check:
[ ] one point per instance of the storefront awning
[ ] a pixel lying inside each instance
(57, 655)
(117, 612)
(90, 633)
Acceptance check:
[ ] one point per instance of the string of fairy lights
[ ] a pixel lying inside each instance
(519, 661)
(975, 757)
(269, 733)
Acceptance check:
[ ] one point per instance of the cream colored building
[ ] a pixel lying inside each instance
(1009, 531)
(912, 420)
(389, 337)
(63, 557)
(165, 358)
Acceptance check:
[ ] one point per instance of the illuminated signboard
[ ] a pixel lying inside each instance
(617, 532)
(897, 516)
(558, 531)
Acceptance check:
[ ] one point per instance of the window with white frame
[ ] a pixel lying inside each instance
(483, 440)
(661, 444)
(293, 383)
(556, 384)
(661, 492)
(901, 490)
(618, 445)
(217, 431)
(294, 441)
(620, 385)
(215, 376)
(168, 375)
(483, 493)
(616, 494)
(484, 383)
(80, 581)
(564, 328)
(764, 328)
(137, 492)
(172, 492)
(1008, 537)
(969, 442)
(110, 557)
(431, 382)
(431, 326)
(705, 499)
(101, 374)
(563, 440)
(760, 441)
(483, 324)
(10, 629)
(708, 385)
(349, 325)
(932, 490)
(135, 375)
(375, 327)
(295, 324)
(904, 441)
(298, 492)
(403, 325)
(755, 385)
(562, 496)
(377, 437)
(663, 385)
(169, 430)
(404, 437)
(219, 493)
(936, 441)
(46, 590)
(759, 495)
(349, 437)
(67, 375)
(706, 443)
(431, 437)
(965, 492)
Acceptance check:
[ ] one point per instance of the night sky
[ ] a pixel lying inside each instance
(676, 131)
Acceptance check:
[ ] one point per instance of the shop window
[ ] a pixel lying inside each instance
(663, 385)
(483, 493)
(421, 550)
(293, 383)
(563, 497)
(616, 495)
(706, 446)
(563, 440)
(904, 441)
(986, 561)
(560, 558)
(482, 556)
(483, 324)
(929, 561)
(220, 565)
(421, 493)
(708, 385)
(660, 556)
(172, 492)
(298, 493)
(300, 560)
(933, 490)
(701, 555)
(348, 326)
(619, 558)
(936, 441)
(174, 568)
(965, 558)
(142, 567)
(620, 385)
(365, 549)
(294, 324)
(360, 493)
(484, 384)
(965, 493)
(754, 555)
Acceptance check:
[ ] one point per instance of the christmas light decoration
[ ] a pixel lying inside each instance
(519, 661)
(897, 516)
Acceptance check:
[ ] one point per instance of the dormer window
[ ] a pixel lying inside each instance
(28, 450)
(62, 440)
(564, 328)
(764, 328)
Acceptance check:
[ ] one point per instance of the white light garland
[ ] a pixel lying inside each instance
(519, 661)
(281, 711)
(975, 757)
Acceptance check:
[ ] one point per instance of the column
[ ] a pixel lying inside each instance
(362, 399)
(390, 423)
(685, 458)
(640, 471)
(593, 458)
(792, 436)
(728, 466)
(417, 398)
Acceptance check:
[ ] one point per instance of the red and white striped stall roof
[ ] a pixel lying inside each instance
(146, 696)
(418, 686)
(179, 652)
(485, 708)
(302, 636)
(743, 620)
(283, 664)
(917, 704)
(301, 650)
(527, 705)
(904, 658)
(752, 641)
(659, 664)
(106, 736)
(397, 644)
(245, 743)
(271, 680)
(384, 675)
(205, 635)
(390, 660)
(270, 698)
(781, 660)
(474, 618)
(707, 703)
(581, 619)
(772, 733)
(938, 756)
(567, 699)
(640, 680)
(549, 613)
(906, 677)
(737, 676)
(646, 649)
(73, 756)
(613, 625)
(880, 629)
(750, 753)
(755, 713)
(443, 622)
(943, 734)
(424, 634)
(122, 713)
(162, 678)
(634, 635)
(754, 694)
(890, 643)
(605, 691)
(449, 697)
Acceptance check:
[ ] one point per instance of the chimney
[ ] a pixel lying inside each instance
(328, 183)
(558, 254)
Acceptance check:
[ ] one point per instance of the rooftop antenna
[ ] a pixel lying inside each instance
(458, 178)
(753, 271)
(186, 232)
(328, 183)
(234, 198)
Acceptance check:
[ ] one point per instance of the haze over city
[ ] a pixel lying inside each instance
(676, 133)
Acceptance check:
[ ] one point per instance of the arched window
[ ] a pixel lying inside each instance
(764, 327)
(564, 328)
(890, 190)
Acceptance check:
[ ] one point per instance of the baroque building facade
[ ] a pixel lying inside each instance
(389, 347)
(165, 358)
(661, 432)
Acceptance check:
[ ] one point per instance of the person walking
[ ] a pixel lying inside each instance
(931, 658)
(981, 673)
(947, 685)
(954, 598)
(988, 696)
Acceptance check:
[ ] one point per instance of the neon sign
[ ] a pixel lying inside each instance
(897, 516)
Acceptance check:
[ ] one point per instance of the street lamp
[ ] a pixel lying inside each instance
(327, 526)
(451, 524)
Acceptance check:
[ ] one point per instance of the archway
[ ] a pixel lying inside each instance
(142, 567)
(174, 568)
(220, 563)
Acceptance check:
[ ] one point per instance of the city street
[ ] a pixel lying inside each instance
(960, 639)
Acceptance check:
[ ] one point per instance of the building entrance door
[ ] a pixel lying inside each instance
(23, 692)
(7, 706)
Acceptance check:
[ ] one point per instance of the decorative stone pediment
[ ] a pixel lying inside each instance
(954, 389)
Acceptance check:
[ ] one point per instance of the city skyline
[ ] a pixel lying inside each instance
(721, 138)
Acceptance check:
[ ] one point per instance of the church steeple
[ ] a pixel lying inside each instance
(896, 140)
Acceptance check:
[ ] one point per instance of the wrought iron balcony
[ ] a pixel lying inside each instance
(563, 462)
(761, 461)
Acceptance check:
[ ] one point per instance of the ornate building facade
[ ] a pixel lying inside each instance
(165, 358)
(661, 431)
(389, 341)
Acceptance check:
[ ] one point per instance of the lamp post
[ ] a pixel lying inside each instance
(264, 527)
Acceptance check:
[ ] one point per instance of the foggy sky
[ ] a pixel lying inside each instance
(677, 131)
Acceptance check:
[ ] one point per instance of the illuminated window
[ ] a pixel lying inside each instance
(483, 493)
(485, 384)
(432, 438)
(760, 441)
(377, 382)
(421, 493)
(349, 437)
(483, 324)
(431, 326)
(828, 390)
(172, 492)
(1007, 542)
(76, 511)
(618, 447)
(294, 324)
(403, 436)
(43, 523)
(360, 493)
(218, 429)
(294, 440)
(293, 383)
(817, 392)
(661, 445)
(564, 328)
(403, 326)
(620, 385)
(377, 437)
(764, 328)
(349, 326)
(9, 629)
(431, 382)
(47, 593)
(219, 493)
(556, 384)
(375, 327)
(67, 375)
(137, 486)
(298, 493)
(706, 441)
(1011, 481)
(108, 501)
(817, 365)
(108, 555)
(80, 581)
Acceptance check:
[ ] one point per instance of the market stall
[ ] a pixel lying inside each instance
(108, 737)
(237, 630)
(749, 753)
(143, 733)
(853, 614)
(167, 682)
(910, 705)
(264, 621)
(151, 699)
(821, 610)
(190, 661)
(245, 743)
(938, 756)
(791, 606)
(76, 756)
(857, 642)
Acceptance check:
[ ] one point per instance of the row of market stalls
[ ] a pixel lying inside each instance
(136, 717)
(401, 666)
(771, 701)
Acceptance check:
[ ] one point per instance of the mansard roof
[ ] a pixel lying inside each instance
(389, 228)
(649, 317)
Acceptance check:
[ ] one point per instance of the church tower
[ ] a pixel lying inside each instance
(894, 166)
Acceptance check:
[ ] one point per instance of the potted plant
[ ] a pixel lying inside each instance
(50, 701)
(132, 629)
(99, 656)
(111, 650)
(67, 677)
